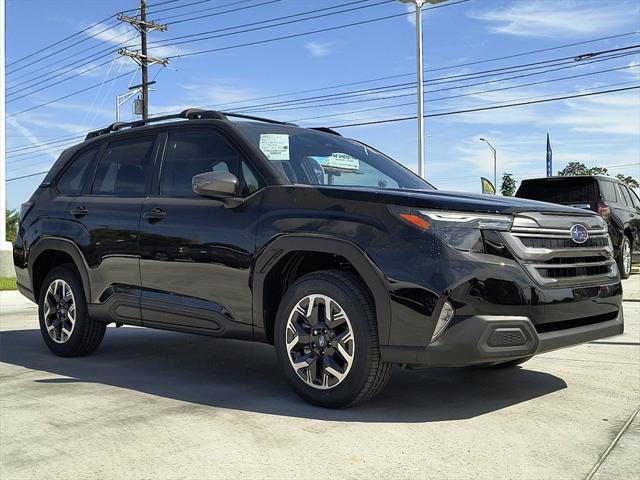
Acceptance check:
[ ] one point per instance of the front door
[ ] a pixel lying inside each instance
(196, 253)
(107, 215)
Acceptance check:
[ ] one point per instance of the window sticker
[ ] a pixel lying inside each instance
(275, 146)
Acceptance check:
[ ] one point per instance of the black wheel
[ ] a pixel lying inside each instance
(624, 257)
(64, 321)
(510, 363)
(326, 340)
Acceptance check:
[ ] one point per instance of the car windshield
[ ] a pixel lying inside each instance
(316, 158)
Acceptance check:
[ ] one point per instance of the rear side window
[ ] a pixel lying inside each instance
(561, 190)
(72, 180)
(124, 167)
(625, 195)
(608, 191)
(190, 153)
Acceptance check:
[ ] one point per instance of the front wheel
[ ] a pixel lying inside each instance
(624, 258)
(65, 324)
(326, 340)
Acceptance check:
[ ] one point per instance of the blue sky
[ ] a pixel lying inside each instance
(598, 130)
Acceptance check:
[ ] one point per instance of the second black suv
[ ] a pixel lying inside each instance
(610, 198)
(347, 262)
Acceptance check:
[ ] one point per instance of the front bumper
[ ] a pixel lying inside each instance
(493, 338)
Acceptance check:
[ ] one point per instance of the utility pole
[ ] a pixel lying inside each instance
(141, 58)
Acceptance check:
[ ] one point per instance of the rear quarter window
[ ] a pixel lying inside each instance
(608, 190)
(72, 180)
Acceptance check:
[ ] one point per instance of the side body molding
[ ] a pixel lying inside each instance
(60, 245)
(275, 250)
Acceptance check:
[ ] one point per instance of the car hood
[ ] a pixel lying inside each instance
(444, 200)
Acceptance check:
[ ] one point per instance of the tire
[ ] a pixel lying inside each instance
(625, 257)
(64, 337)
(510, 363)
(349, 370)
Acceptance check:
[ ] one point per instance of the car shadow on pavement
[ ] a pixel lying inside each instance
(245, 376)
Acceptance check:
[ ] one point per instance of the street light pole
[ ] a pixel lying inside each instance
(420, 81)
(495, 169)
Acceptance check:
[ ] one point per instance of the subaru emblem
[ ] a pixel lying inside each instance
(579, 233)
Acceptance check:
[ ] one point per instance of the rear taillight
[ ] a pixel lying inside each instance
(604, 211)
(24, 209)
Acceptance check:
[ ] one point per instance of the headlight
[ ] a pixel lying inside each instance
(461, 230)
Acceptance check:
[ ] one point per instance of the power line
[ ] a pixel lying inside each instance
(66, 96)
(390, 77)
(435, 81)
(226, 11)
(29, 56)
(201, 10)
(455, 112)
(479, 109)
(264, 21)
(302, 34)
(75, 64)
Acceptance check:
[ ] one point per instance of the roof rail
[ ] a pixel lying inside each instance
(260, 119)
(189, 114)
(326, 130)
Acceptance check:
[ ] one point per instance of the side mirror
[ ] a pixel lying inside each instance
(215, 184)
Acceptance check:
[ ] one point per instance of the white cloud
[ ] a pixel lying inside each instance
(568, 18)
(319, 49)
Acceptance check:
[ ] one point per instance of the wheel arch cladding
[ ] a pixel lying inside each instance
(288, 257)
(51, 252)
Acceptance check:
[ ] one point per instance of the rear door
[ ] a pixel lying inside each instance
(196, 253)
(107, 215)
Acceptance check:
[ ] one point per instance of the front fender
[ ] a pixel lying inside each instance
(277, 248)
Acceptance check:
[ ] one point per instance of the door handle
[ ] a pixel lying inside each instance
(79, 211)
(155, 214)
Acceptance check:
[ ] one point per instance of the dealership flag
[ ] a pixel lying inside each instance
(487, 186)
(549, 156)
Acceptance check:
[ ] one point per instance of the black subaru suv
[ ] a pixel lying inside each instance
(345, 261)
(610, 198)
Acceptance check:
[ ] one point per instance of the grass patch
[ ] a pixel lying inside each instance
(7, 283)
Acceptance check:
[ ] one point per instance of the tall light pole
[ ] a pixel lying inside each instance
(6, 249)
(419, 4)
(495, 170)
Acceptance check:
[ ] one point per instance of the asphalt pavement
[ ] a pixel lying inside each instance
(163, 405)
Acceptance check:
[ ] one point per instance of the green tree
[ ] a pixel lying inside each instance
(579, 168)
(12, 224)
(508, 186)
(630, 181)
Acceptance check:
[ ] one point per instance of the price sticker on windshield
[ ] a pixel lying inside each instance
(275, 146)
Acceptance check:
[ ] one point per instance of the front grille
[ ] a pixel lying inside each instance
(542, 243)
(573, 271)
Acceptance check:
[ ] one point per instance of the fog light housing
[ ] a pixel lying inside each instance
(446, 314)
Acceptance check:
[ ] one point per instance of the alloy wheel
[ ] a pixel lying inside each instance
(320, 341)
(59, 311)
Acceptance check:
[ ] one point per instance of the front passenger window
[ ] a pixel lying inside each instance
(189, 153)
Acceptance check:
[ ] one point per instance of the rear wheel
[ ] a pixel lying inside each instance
(624, 258)
(65, 324)
(326, 339)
